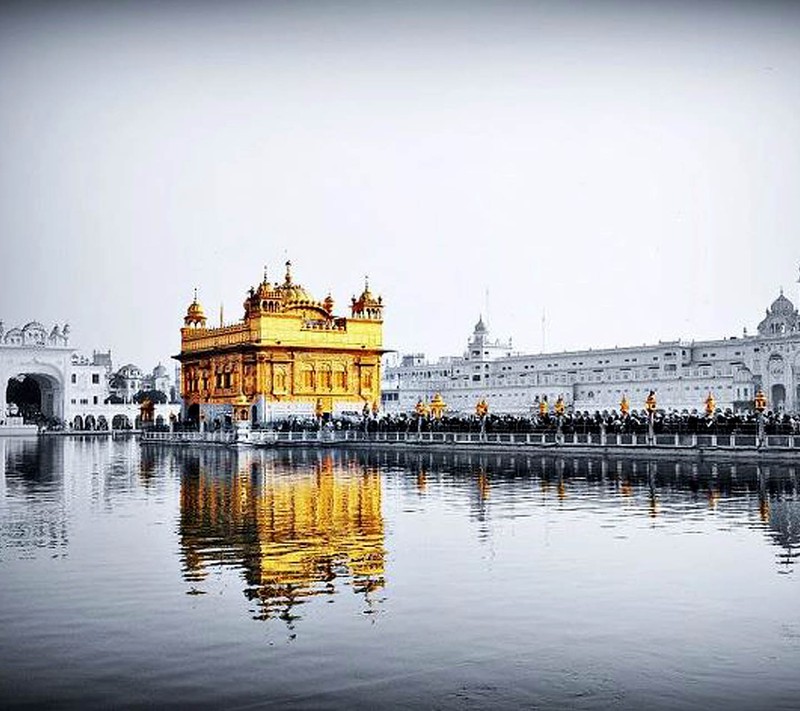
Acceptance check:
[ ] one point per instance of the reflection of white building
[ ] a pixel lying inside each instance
(41, 372)
(681, 372)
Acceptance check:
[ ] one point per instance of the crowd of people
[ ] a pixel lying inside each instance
(580, 422)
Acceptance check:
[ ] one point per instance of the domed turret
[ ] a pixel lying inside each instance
(782, 306)
(195, 316)
(292, 293)
(781, 318)
(327, 304)
(367, 306)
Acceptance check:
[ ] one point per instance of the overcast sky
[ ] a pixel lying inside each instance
(629, 169)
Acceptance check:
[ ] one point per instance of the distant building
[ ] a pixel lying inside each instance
(289, 355)
(681, 372)
(44, 379)
(126, 382)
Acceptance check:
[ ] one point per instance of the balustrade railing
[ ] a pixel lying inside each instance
(582, 440)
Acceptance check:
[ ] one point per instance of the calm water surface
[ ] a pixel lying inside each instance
(140, 577)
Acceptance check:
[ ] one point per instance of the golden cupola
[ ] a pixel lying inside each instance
(367, 306)
(263, 299)
(293, 293)
(195, 316)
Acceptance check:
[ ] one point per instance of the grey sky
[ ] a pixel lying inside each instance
(630, 168)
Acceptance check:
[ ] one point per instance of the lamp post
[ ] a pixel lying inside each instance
(760, 404)
(437, 407)
(711, 406)
(650, 406)
(560, 408)
(481, 410)
(544, 408)
(420, 410)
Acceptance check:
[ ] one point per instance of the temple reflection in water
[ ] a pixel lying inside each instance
(295, 530)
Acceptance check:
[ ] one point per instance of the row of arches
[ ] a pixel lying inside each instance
(90, 423)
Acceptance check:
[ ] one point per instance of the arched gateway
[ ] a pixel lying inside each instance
(35, 395)
(34, 391)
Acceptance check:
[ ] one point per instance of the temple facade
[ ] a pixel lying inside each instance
(288, 355)
(682, 373)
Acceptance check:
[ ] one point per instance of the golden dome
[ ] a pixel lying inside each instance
(195, 313)
(293, 293)
(367, 306)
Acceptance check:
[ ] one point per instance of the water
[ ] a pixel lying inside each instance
(156, 577)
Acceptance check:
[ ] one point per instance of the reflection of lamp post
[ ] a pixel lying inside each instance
(650, 406)
(760, 404)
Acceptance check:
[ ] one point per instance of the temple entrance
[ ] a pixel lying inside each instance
(778, 400)
(193, 414)
(32, 396)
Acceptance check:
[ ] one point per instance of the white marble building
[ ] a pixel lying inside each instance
(60, 383)
(682, 373)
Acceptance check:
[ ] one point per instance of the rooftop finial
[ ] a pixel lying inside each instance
(195, 294)
(265, 273)
(288, 277)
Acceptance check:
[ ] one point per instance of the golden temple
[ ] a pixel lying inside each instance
(289, 355)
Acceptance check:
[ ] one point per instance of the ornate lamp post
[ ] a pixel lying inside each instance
(437, 406)
(481, 410)
(650, 406)
(560, 408)
(711, 405)
(421, 411)
(544, 408)
(760, 404)
(624, 406)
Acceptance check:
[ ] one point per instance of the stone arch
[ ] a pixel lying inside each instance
(77, 423)
(120, 422)
(89, 423)
(778, 396)
(102, 423)
(41, 377)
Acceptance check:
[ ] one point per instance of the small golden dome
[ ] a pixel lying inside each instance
(195, 313)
